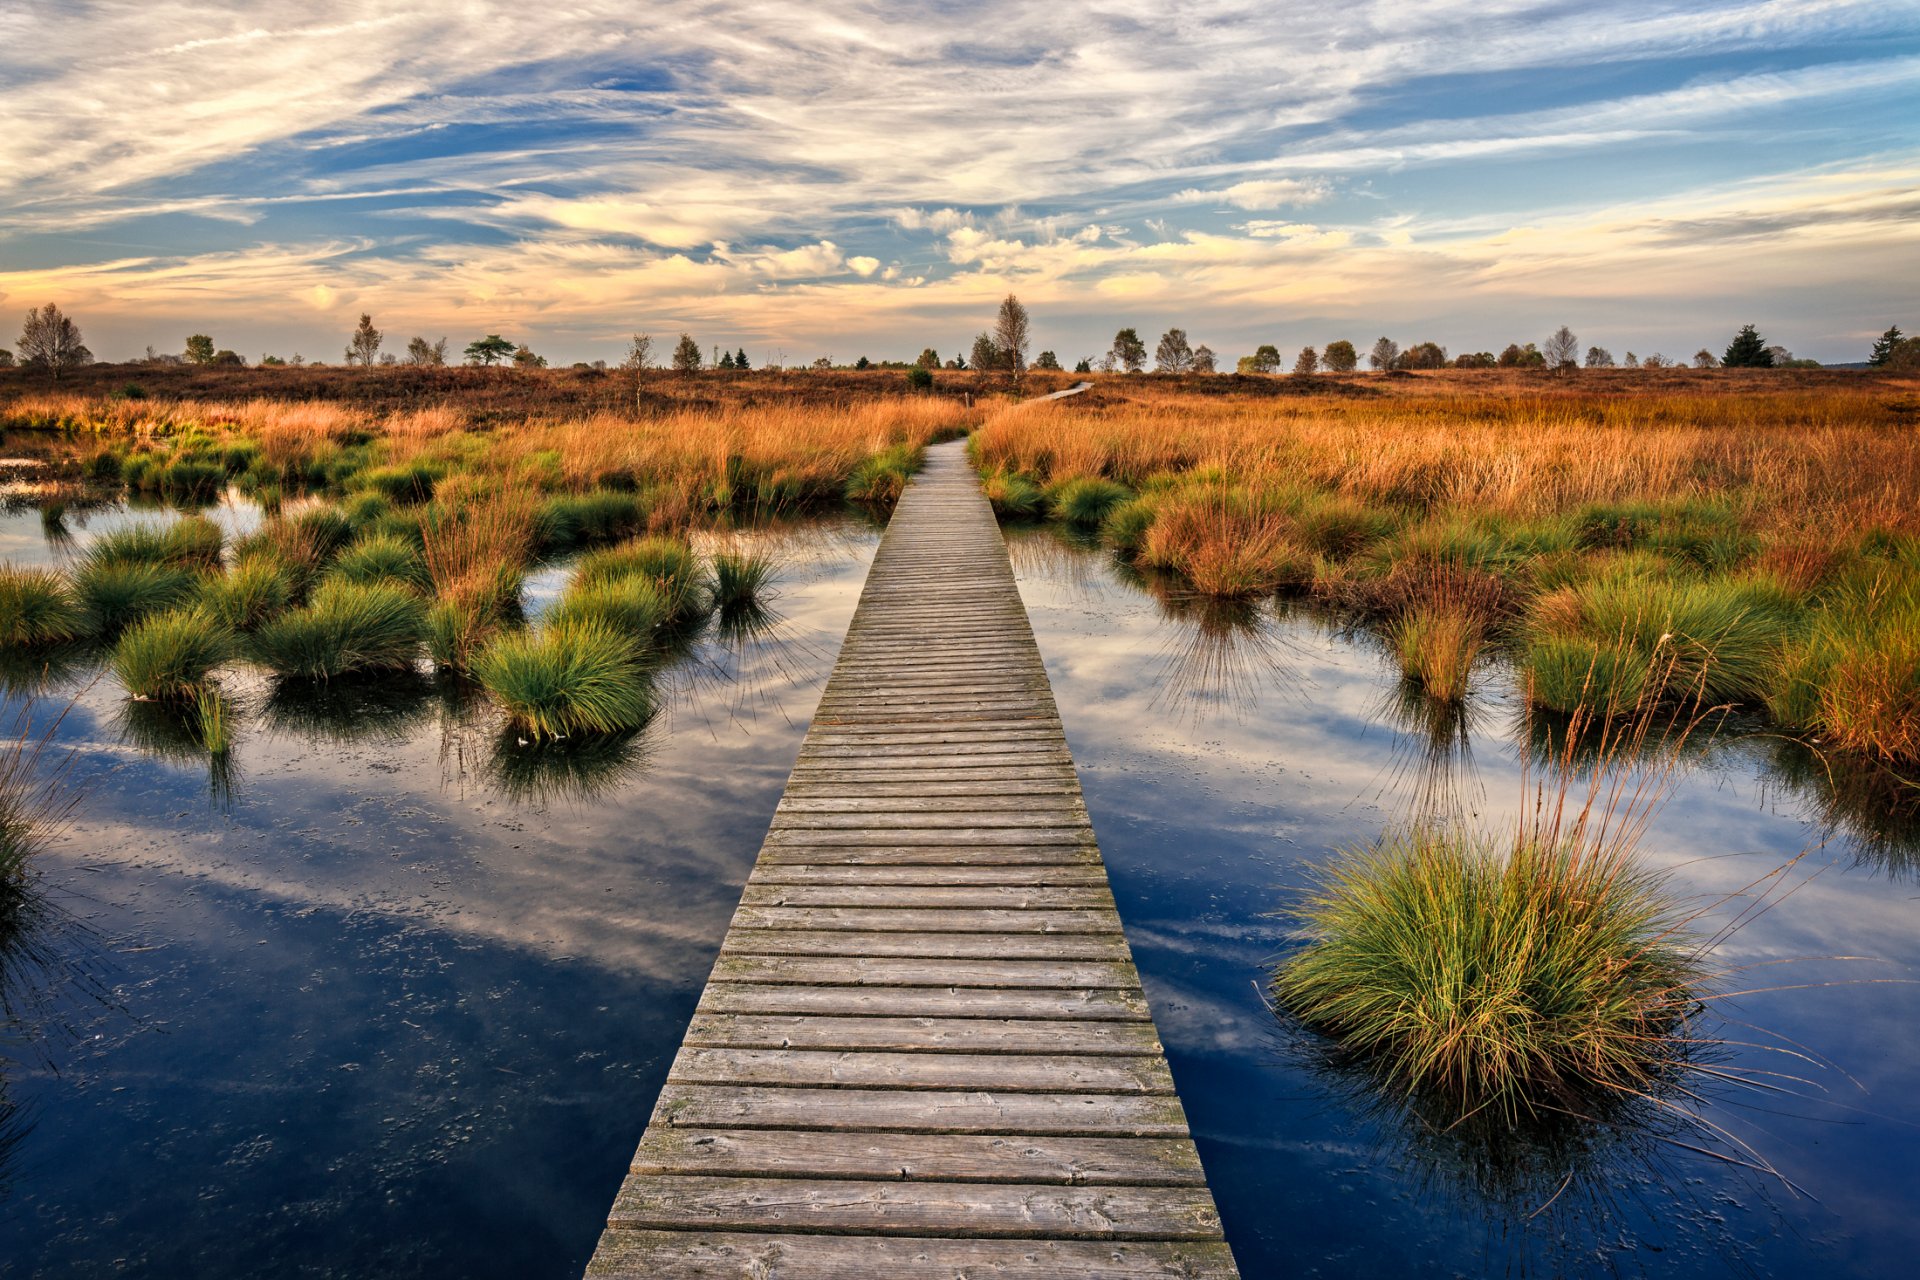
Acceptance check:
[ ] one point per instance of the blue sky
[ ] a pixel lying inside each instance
(869, 178)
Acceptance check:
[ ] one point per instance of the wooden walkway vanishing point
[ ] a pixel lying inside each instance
(924, 1050)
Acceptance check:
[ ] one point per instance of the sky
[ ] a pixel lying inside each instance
(870, 178)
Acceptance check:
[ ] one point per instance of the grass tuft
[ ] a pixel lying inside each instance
(1514, 980)
(37, 607)
(576, 677)
(117, 595)
(739, 578)
(346, 627)
(167, 657)
(383, 557)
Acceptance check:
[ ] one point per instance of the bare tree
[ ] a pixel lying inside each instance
(1173, 355)
(50, 340)
(426, 355)
(1011, 334)
(1384, 353)
(1309, 361)
(365, 344)
(1562, 350)
(639, 353)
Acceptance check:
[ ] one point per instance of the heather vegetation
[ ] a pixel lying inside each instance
(1758, 542)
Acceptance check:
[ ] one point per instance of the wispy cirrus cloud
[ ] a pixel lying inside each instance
(801, 179)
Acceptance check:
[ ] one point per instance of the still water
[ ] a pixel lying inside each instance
(392, 997)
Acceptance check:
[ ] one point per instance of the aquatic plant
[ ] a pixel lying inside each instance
(881, 478)
(669, 563)
(589, 519)
(404, 483)
(166, 657)
(1014, 496)
(37, 607)
(382, 557)
(193, 542)
(1854, 677)
(246, 595)
(739, 578)
(1437, 646)
(578, 677)
(1508, 979)
(1085, 501)
(1717, 639)
(117, 594)
(635, 607)
(346, 627)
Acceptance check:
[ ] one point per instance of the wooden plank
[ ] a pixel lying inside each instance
(956, 1035)
(918, 1157)
(917, 971)
(927, 897)
(925, 1002)
(930, 855)
(1084, 873)
(900, 920)
(700, 1106)
(959, 946)
(717, 1255)
(965, 1209)
(1003, 1073)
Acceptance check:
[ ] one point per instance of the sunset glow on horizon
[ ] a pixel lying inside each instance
(869, 179)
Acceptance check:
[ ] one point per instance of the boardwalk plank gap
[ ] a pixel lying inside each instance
(924, 1049)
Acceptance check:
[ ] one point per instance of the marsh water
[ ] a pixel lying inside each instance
(393, 996)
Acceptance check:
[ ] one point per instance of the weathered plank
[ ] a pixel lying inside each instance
(918, 1111)
(720, 1255)
(956, 1035)
(919, 1157)
(924, 1049)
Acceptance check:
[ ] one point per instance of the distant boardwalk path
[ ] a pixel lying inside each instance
(924, 1050)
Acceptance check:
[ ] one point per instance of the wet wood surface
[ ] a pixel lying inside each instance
(924, 1049)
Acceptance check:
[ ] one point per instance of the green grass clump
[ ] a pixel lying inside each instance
(1502, 981)
(1085, 501)
(37, 607)
(668, 563)
(1717, 639)
(248, 594)
(633, 607)
(589, 519)
(1014, 497)
(1127, 523)
(739, 578)
(1854, 677)
(190, 543)
(382, 557)
(1437, 646)
(580, 677)
(166, 657)
(190, 480)
(881, 478)
(404, 485)
(115, 594)
(346, 627)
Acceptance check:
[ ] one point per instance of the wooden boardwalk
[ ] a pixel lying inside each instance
(924, 1050)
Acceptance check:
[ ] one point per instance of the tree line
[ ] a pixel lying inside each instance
(51, 341)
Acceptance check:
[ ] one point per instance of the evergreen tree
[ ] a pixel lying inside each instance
(489, 350)
(686, 355)
(1883, 349)
(1748, 350)
(740, 359)
(726, 360)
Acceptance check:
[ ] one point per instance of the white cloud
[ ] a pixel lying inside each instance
(1270, 193)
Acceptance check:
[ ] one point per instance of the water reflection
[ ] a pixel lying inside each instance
(578, 770)
(1219, 658)
(1206, 822)
(1874, 806)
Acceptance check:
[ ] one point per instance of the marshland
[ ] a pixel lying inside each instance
(392, 755)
